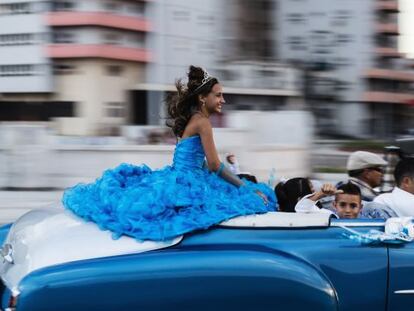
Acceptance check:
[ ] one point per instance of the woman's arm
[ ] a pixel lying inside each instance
(213, 162)
(206, 133)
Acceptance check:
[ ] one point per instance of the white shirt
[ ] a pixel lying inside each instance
(402, 202)
(306, 205)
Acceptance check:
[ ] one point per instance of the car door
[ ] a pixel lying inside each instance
(401, 277)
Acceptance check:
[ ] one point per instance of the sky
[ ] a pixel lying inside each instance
(406, 42)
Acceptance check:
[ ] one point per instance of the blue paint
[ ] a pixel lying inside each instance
(224, 269)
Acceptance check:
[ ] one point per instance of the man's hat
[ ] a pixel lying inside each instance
(359, 160)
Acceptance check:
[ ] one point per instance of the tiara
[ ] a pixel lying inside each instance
(206, 78)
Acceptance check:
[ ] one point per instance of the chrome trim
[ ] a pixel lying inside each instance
(6, 252)
(357, 224)
(404, 292)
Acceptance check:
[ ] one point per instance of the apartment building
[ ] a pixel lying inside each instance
(91, 66)
(72, 61)
(357, 82)
(233, 39)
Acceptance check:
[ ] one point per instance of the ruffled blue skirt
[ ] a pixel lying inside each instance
(162, 204)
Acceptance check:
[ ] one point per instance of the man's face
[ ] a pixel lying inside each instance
(373, 176)
(347, 205)
(408, 184)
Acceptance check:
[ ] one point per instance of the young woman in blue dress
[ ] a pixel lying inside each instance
(185, 196)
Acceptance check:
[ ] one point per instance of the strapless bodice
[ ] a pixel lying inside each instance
(189, 153)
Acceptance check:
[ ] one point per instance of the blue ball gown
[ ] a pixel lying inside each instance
(162, 204)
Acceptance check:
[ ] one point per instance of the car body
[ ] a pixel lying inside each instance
(53, 260)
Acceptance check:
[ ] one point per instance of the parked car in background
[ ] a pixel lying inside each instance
(52, 260)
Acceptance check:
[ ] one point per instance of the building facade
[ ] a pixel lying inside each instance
(357, 83)
(71, 61)
(233, 39)
(91, 66)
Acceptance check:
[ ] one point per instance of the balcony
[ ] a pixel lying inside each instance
(261, 78)
(56, 19)
(387, 97)
(98, 51)
(388, 6)
(388, 28)
(387, 52)
(389, 74)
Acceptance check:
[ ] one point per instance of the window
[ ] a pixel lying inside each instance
(138, 8)
(115, 110)
(63, 37)
(112, 38)
(296, 43)
(15, 8)
(385, 41)
(63, 6)
(17, 39)
(343, 38)
(114, 70)
(138, 39)
(112, 6)
(341, 18)
(17, 70)
(63, 69)
(20, 8)
(296, 18)
(322, 39)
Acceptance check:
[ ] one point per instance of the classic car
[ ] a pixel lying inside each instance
(52, 260)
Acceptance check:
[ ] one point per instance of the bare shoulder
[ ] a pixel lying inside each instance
(203, 125)
(197, 125)
(199, 122)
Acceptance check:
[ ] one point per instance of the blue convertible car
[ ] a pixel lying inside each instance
(53, 261)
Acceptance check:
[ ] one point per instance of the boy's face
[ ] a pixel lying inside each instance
(347, 205)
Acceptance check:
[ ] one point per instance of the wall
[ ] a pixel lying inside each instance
(40, 79)
(32, 157)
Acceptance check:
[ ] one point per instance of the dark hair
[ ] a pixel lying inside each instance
(288, 193)
(404, 168)
(181, 105)
(349, 188)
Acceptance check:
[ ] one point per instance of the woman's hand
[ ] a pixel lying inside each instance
(263, 196)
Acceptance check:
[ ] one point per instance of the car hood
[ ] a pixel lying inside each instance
(52, 236)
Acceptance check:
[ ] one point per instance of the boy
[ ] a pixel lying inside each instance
(347, 203)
